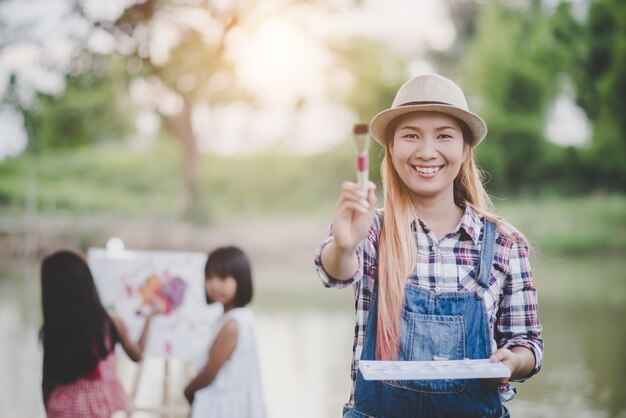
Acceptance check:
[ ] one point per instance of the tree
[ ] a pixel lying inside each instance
(191, 65)
(514, 59)
(510, 83)
(92, 109)
(179, 51)
(601, 86)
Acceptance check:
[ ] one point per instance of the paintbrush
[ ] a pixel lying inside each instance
(362, 140)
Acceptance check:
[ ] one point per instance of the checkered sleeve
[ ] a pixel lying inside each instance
(326, 279)
(518, 323)
(366, 253)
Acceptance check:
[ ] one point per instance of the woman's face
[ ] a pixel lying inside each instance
(427, 152)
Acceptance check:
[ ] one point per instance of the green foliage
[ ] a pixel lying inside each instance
(601, 92)
(91, 110)
(511, 61)
(113, 180)
(593, 224)
(376, 73)
(108, 179)
(513, 68)
(275, 184)
(511, 85)
(198, 68)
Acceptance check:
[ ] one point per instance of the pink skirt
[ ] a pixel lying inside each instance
(96, 396)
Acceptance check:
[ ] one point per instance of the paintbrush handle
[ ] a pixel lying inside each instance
(362, 171)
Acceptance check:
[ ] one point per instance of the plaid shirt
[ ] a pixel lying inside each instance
(449, 265)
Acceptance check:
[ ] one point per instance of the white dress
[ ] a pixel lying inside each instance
(236, 391)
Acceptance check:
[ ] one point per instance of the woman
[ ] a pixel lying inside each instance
(436, 276)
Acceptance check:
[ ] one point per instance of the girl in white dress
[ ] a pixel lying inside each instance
(228, 383)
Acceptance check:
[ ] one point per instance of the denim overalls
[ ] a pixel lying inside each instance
(444, 326)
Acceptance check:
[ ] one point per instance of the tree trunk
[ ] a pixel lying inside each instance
(192, 180)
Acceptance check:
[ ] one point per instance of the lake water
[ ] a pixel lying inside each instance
(305, 340)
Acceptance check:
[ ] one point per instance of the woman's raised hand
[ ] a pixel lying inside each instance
(353, 215)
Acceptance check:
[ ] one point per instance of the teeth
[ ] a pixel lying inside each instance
(427, 170)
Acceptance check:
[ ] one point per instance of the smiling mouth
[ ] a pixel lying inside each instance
(427, 170)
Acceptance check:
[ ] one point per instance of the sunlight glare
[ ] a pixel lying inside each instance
(280, 62)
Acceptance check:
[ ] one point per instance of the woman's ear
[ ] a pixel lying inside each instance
(466, 151)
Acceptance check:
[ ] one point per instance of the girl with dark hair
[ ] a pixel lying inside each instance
(78, 338)
(228, 383)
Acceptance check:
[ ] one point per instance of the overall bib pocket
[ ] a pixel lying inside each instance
(427, 338)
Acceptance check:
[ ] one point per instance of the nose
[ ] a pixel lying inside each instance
(426, 149)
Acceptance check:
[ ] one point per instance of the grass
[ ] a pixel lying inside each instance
(594, 224)
(116, 180)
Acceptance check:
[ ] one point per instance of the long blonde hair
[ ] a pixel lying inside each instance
(397, 247)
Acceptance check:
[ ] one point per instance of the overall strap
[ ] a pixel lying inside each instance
(486, 257)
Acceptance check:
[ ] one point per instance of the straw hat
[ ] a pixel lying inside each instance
(429, 93)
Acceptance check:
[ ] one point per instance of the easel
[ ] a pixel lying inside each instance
(168, 407)
(155, 385)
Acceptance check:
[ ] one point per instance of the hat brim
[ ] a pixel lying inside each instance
(380, 122)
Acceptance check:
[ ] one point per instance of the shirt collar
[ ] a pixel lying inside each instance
(469, 226)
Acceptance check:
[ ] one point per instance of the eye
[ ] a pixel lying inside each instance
(444, 137)
(410, 136)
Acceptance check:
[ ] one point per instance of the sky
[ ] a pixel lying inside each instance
(281, 60)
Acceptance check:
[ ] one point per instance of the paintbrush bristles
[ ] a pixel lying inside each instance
(360, 128)
(361, 137)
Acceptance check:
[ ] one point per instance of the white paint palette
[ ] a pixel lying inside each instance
(432, 370)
